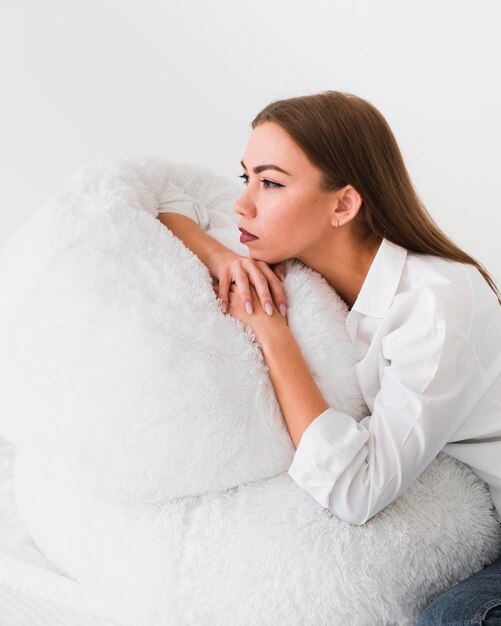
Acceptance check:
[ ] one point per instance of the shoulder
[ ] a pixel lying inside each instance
(436, 292)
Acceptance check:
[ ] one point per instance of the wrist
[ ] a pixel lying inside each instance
(277, 341)
(216, 257)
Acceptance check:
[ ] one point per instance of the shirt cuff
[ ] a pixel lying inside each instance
(327, 448)
(175, 200)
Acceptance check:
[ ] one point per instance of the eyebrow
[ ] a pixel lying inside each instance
(261, 168)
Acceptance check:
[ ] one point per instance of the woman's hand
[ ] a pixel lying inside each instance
(263, 325)
(242, 274)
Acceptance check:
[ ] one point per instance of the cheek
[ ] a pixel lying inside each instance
(295, 225)
(290, 222)
(287, 238)
(286, 214)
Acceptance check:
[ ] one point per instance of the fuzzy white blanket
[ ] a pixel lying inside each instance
(151, 453)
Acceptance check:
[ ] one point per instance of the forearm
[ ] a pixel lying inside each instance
(205, 247)
(297, 393)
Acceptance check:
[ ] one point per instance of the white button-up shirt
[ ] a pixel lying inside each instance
(427, 338)
(175, 200)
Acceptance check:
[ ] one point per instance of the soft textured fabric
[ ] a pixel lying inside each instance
(33, 592)
(22, 609)
(151, 453)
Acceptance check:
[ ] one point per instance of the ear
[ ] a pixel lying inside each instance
(347, 206)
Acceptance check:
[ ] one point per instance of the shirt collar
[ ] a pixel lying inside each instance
(381, 282)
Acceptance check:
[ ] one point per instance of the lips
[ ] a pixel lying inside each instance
(246, 232)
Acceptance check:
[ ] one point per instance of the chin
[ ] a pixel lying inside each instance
(262, 256)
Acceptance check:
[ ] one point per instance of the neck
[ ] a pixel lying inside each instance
(343, 259)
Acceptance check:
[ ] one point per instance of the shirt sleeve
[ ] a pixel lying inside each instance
(355, 469)
(175, 200)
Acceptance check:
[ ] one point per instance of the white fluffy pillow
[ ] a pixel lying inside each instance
(148, 428)
(133, 372)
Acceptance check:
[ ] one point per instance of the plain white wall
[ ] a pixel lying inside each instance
(101, 78)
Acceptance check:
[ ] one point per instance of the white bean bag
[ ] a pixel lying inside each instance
(151, 453)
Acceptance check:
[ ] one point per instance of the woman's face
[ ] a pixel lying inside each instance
(287, 210)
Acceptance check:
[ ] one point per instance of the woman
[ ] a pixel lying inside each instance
(325, 183)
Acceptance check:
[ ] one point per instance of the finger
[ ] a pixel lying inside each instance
(262, 287)
(242, 283)
(224, 286)
(276, 288)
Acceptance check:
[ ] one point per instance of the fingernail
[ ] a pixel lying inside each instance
(282, 309)
(223, 306)
(248, 306)
(268, 308)
(282, 276)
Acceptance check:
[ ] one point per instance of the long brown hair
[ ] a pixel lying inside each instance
(350, 141)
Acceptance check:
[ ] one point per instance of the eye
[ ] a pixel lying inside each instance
(268, 184)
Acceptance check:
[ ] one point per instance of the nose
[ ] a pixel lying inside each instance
(245, 205)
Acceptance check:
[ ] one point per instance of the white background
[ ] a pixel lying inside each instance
(104, 78)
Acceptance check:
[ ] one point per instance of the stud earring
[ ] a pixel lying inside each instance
(337, 223)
